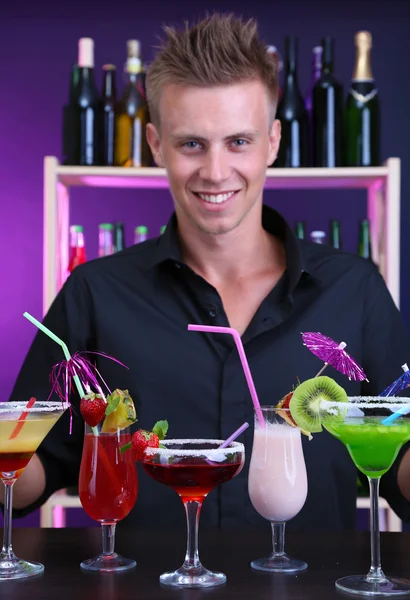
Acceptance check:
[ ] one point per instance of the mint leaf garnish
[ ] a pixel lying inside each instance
(113, 401)
(160, 429)
(125, 447)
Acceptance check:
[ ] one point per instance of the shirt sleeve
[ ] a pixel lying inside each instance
(386, 346)
(70, 318)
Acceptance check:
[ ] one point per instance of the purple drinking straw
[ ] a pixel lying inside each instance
(235, 434)
(242, 356)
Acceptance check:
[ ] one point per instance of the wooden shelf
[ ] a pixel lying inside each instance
(382, 185)
(152, 177)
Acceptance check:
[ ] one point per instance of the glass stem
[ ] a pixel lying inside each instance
(375, 574)
(278, 538)
(7, 550)
(108, 538)
(192, 511)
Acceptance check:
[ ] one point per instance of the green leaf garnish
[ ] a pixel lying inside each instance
(160, 429)
(112, 403)
(125, 447)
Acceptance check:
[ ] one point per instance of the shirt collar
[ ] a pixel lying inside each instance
(168, 250)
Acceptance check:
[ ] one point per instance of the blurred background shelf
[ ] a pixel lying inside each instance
(382, 185)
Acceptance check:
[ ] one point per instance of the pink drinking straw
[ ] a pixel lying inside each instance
(242, 356)
(235, 434)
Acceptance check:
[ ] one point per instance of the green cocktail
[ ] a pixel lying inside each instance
(372, 445)
(373, 440)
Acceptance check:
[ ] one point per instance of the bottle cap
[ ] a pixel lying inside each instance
(106, 226)
(86, 52)
(141, 229)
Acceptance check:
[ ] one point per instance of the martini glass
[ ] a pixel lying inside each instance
(22, 429)
(373, 447)
(193, 468)
(108, 488)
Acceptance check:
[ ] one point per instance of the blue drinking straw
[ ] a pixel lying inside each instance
(404, 410)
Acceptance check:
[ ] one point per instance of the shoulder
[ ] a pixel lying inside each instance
(328, 262)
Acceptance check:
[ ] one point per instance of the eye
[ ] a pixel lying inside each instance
(191, 144)
(240, 142)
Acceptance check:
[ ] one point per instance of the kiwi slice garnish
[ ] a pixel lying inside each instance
(308, 405)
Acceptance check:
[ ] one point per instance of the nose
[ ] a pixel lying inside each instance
(215, 167)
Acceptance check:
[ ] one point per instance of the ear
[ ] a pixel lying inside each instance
(274, 140)
(155, 144)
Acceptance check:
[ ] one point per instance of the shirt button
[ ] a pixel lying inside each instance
(212, 313)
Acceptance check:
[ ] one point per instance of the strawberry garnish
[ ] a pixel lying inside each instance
(141, 440)
(284, 403)
(92, 408)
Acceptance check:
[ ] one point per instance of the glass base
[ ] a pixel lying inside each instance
(361, 585)
(19, 569)
(108, 563)
(281, 563)
(193, 577)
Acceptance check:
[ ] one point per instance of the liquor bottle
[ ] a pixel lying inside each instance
(300, 230)
(108, 115)
(162, 229)
(364, 246)
(105, 239)
(274, 52)
(293, 149)
(67, 134)
(140, 234)
(327, 113)
(319, 237)
(84, 106)
(336, 234)
(77, 254)
(362, 116)
(119, 237)
(131, 146)
(316, 73)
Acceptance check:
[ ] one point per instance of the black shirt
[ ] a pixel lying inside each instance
(135, 305)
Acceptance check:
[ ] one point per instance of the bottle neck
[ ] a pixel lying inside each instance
(76, 239)
(362, 70)
(291, 46)
(109, 85)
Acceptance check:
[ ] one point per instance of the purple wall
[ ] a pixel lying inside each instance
(39, 45)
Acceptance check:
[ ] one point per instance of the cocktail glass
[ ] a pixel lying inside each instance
(277, 483)
(373, 448)
(108, 489)
(193, 468)
(22, 430)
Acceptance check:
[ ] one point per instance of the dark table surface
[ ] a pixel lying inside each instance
(329, 557)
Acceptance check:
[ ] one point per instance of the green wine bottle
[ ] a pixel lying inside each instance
(362, 117)
(336, 234)
(365, 248)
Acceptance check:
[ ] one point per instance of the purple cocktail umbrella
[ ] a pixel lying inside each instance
(333, 354)
(402, 382)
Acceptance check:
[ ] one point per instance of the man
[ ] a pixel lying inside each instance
(225, 259)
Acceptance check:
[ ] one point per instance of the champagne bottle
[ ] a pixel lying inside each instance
(82, 113)
(364, 246)
(108, 115)
(131, 146)
(316, 73)
(293, 149)
(336, 234)
(362, 118)
(327, 113)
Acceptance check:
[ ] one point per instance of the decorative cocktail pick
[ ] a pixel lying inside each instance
(333, 354)
(400, 384)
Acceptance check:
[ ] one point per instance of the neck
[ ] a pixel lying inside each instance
(232, 256)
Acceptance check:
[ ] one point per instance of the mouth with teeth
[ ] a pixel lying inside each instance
(215, 198)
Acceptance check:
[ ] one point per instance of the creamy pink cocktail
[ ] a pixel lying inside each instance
(277, 483)
(277, 474)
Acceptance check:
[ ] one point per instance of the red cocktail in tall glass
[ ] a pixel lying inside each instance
(108, 490)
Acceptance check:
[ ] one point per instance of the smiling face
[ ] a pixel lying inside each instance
(215, 144)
